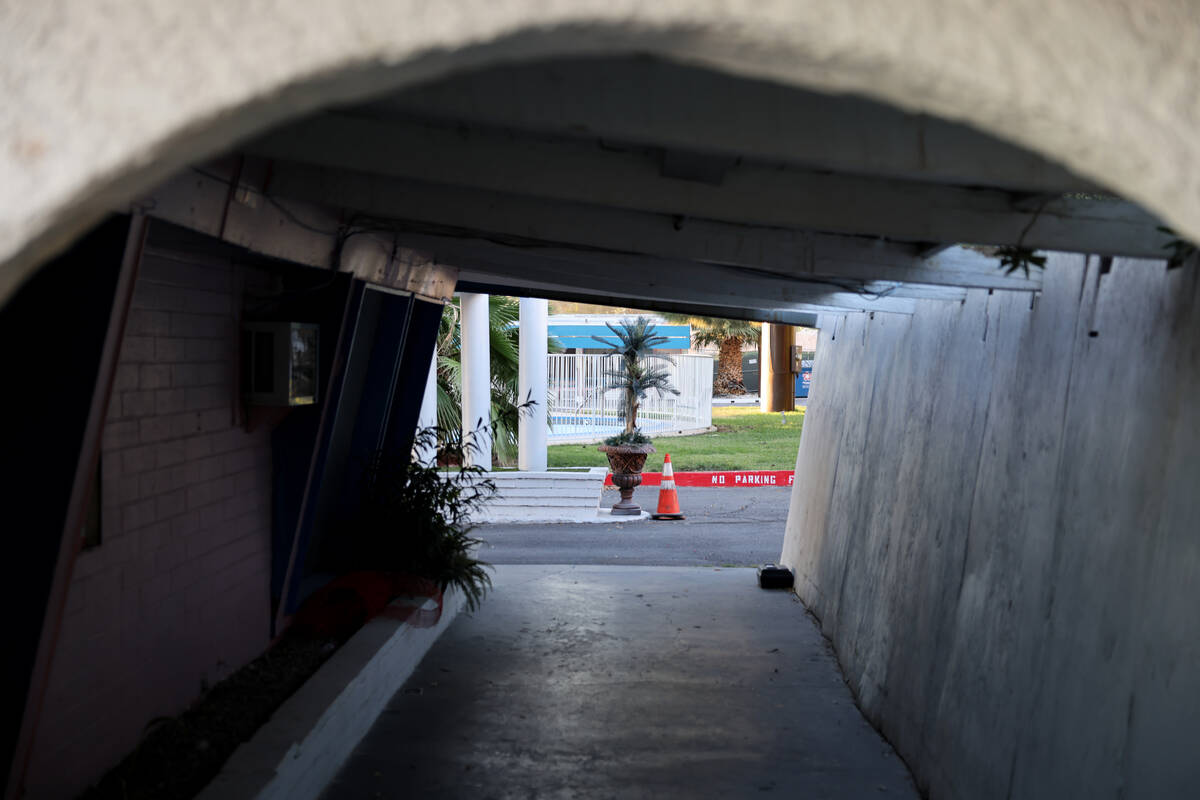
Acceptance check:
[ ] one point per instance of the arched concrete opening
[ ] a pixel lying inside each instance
(275, 130)
(87, 134)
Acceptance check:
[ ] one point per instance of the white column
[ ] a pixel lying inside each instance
(428, 417)
(532, 385)
(476, 377)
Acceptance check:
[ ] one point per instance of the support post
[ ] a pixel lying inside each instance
(532, 383)
(428, 416)
(476, 378)
(777, 390)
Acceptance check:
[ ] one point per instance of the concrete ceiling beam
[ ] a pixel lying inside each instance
(642, 278)
(748, 193)
(674, 106)
(485, 214)
(483, 283)
(227, 201)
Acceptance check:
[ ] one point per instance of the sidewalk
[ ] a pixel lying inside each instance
(629, 682)
(747, 400)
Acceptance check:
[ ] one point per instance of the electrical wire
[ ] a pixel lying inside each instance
(291, 216)
(361, 224)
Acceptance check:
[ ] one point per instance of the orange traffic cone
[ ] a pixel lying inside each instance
(668, 498)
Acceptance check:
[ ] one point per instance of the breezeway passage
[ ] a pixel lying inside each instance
(1008, 566)
(596, 681)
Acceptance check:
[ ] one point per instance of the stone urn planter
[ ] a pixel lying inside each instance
(626, 462)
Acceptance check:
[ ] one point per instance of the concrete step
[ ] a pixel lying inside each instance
(538, 515)
(502, 479)
(535, 514)
(544, 496)
(549, 490)
(565, 486)
(533, 500)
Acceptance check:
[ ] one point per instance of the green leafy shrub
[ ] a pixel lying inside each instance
(1020, 258)
(415, 519)
(625, 437)
(1180, 250)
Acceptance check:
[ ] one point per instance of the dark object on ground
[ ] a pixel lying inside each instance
(771, 576)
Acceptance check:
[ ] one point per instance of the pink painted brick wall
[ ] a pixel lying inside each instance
(177, 595)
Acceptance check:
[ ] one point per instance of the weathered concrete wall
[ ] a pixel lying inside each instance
(997, 519)
(101, 101)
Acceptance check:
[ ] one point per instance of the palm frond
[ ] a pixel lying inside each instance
(637, 374)
(715, 331)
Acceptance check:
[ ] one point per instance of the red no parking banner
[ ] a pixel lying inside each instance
(776, 477)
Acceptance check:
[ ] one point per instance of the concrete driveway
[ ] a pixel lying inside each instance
(625, 682)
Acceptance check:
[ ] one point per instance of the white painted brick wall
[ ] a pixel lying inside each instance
(178, 593)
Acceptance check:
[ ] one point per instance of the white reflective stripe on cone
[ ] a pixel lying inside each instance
(668, 484)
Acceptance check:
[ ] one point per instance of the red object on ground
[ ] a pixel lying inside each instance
(775, 477)
(343, 605)
(668, 498)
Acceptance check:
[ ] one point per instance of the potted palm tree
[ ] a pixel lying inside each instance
(638, 373)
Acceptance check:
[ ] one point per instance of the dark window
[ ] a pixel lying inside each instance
(246, 357)
(264, 362)
(91, 520)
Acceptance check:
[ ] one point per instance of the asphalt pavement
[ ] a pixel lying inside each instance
(724, 527)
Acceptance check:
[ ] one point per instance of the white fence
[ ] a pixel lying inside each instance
(580, 411)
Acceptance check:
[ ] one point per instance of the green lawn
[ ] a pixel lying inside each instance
(744, 439)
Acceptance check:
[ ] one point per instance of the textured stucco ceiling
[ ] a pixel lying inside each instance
(101, 100)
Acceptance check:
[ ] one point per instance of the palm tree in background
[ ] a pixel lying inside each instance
(728, 336)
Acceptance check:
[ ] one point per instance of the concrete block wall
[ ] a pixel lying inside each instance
(177, 594)
(996, 520)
